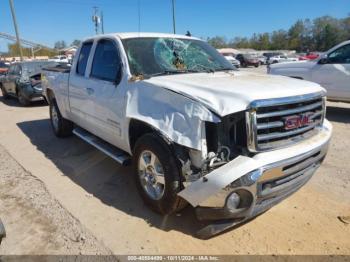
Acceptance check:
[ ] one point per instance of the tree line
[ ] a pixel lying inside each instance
(318, 34)
(27, 51)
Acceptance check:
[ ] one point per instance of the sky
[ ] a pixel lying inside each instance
(47, 21)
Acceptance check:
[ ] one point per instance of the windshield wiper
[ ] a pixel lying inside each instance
(170, 72)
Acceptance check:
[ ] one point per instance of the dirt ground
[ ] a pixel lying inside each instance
(35, 222)
(61, 196)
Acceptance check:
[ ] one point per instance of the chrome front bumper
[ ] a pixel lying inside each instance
(263, 181)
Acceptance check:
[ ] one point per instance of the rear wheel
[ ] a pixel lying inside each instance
(157, 174)
(61, 126)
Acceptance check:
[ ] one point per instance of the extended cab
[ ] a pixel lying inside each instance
(232, 144)
(331, 70)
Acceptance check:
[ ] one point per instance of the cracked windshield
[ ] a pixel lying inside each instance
(163, 56)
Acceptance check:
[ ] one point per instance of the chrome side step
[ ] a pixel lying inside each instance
(115, 153)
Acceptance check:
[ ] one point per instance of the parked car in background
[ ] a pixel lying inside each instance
(3, 67)
(233, 60)
(248, 60)
(331, 70)
(281, 59)
(270, 54)
(23, 81)
(231, 143)
(262, 60)
(310, 56)
(59, 59)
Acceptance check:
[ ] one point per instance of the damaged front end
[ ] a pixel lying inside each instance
(229, 184)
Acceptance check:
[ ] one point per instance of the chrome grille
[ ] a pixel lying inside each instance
(267, 121)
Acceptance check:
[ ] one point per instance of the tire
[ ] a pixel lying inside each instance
(22, 99)
(4, 93)
(168, 201)
(256, 65)
(244, 64)
(61, 126)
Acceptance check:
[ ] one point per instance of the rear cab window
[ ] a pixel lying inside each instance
(83, 58)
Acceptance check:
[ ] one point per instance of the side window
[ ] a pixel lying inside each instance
(106, 63)
(12, 70)
(83, 58)
(340, 56)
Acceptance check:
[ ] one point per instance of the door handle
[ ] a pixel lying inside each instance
(90, 91)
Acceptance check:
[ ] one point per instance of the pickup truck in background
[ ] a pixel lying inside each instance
(331, 70)
(230, 143)
(281, 59)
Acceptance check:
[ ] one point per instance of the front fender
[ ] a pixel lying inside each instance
(175, 116)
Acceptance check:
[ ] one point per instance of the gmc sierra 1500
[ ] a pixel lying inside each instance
(230, 143)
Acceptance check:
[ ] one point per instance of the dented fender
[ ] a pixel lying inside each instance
(177, 117)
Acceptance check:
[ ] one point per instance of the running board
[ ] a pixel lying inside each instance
(110, 150)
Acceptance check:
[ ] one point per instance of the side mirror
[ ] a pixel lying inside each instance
(323, 61)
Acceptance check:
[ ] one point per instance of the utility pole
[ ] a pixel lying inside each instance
(16, 29)
(102, 24)
(174, 26)
(96, 19)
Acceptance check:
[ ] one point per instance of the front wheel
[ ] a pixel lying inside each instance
(61, 126)
(157, 174)
(4, 93)
(22, 99)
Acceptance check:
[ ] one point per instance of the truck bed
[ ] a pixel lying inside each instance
(61, 68)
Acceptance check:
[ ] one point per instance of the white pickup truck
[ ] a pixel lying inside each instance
(331, 70)
(232, 144)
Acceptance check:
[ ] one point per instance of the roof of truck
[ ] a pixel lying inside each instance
(143, 35)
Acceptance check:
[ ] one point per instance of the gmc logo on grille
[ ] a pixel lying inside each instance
(296, 121)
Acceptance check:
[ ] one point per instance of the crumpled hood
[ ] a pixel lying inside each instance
(229, 92)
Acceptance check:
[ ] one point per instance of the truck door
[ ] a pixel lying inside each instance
(334, 73)
(107, 97)
(79, 94)
(11, 78)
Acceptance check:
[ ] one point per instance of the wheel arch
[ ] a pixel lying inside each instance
(138, 128)
(49, 95)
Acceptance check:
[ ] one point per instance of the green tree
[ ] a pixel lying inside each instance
(240, 42)
(76, 42)
(13, 51)
(263, 41)
(60, 44)
(279, 40)
(217, 41)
